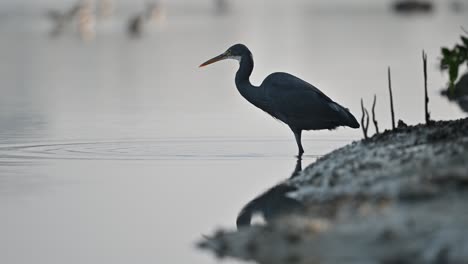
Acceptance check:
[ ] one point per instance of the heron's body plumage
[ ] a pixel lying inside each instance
(288, 98)
(302, 106)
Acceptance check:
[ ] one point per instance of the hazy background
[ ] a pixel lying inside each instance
(119, 149)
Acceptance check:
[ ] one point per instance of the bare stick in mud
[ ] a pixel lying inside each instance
(374, 120)
(391, 97)
(364, 120)
(426, 97)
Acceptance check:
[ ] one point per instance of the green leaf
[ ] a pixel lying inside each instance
(444, 61)
(443, 67)
(453, 72)
(462, 55)
(446, 52)
(452, 59)
(465, 40)
(451, 89)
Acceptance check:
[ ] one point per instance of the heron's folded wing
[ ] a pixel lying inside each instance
(296, 100)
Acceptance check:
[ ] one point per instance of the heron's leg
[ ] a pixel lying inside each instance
(298, 167)
(297, 134)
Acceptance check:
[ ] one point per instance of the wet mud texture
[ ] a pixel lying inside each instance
(398, 197)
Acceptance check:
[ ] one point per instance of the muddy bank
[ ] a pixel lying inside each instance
(398, 197)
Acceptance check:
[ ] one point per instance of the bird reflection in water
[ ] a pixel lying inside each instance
(105, 8)
(86, 21)
(61, 19)
(81, 14)
(154, 12)
(272, 204)
(221, 7)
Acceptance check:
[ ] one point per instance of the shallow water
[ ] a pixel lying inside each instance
(121, 150)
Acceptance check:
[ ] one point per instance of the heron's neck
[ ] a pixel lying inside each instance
(245, 69)
(252, 93)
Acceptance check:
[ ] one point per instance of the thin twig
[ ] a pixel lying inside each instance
(391, 97)
(373, 115)
(364, 125)
(426, 97)
(367, 120)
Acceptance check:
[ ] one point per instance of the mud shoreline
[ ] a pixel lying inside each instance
(397, 197)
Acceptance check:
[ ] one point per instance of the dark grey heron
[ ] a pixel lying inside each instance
(295, 102)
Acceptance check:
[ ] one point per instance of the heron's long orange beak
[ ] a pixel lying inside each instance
(213, 60)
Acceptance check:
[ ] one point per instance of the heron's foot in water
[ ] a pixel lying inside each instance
(299, 155)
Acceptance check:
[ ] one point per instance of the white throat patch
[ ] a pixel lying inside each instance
(237, 58)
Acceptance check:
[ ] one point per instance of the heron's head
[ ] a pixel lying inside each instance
(236, 52)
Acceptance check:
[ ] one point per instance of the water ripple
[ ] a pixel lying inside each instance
(149, 149)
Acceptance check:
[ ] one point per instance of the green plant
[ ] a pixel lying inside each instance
(452, 59)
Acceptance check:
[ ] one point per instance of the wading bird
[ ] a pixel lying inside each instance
(295, 102)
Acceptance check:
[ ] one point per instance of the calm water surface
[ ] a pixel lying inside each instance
(121, 150)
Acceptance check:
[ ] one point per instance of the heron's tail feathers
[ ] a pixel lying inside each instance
(347, 119)
(351, 120)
